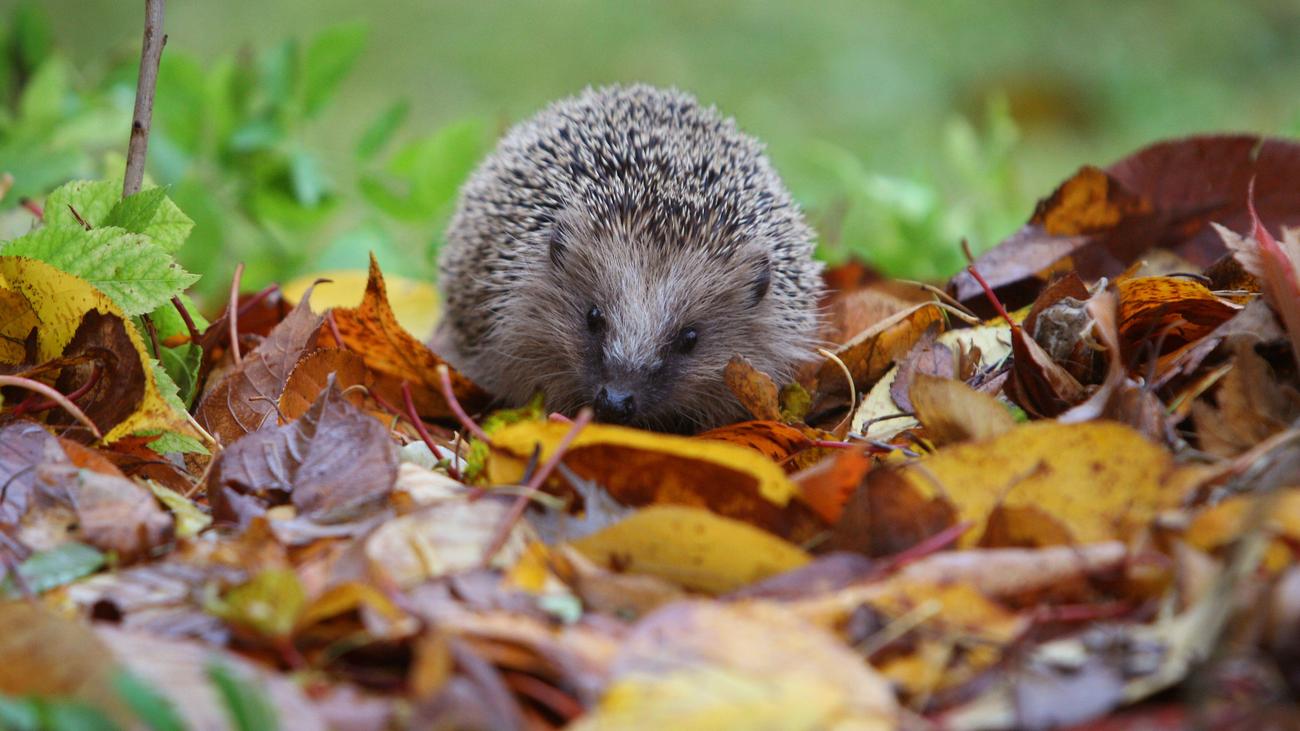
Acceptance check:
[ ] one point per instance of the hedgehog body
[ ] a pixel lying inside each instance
(617, 250)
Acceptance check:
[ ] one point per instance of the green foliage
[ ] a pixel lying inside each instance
(151, 707)
(43, 714)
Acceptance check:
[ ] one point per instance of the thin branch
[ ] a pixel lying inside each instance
(233, 311)
(54, 396)
(150, 56)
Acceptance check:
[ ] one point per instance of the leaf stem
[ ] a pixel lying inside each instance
(449, 395)
(233, 309)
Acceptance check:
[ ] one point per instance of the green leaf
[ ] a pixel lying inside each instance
(269, 604)
(309, 183)
(135, 212)
(32, 34)
(381, 130)
(245, 703)
(173, 443)
(153, 708)
(52, 568)
(92, 199)
(166, 386)
(43, 97)
(135, 273)
(328, 59)
(163, 222)
(19, 714)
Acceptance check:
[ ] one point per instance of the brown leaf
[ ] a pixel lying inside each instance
(887, 515)
(927, 357)
(776, 441)
(755, 389)
(333, 463)
(1164, 195)
(46, 655)
(116, 514)
(1167, 311)
(245, 399)
(871, 353)
(310, 376)
(101, 344)
(1252, 405)
(1038, 384)
(953, 412)
(827, 485)
(395, 356)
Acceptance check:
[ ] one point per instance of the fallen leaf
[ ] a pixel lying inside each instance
(696, 665)
(245, 398)
(871, 353)
(395, 356)
(642, 468)
(333, 463)
(1100, 479)
(310, 376)
(414, 302)
(953, 412)
(691, 547)
(755, 389)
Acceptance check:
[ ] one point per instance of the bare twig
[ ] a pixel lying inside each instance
(449, 395)
(189, 321)
(234, 313)
(54, 396)
(146, 84)
(539, 478)
(418, 423)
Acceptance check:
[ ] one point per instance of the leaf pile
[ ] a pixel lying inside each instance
(1065, 492)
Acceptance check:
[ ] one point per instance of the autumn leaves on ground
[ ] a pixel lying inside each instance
(1062, 489)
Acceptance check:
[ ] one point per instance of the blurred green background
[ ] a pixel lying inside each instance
(302, 133)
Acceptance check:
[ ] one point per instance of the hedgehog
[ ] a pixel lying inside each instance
(616, 251)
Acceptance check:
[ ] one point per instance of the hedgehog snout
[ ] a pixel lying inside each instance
(615, 405)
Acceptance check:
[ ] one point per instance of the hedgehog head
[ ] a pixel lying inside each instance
(638, 322)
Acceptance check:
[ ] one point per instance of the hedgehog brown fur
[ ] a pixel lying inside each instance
(617, 250)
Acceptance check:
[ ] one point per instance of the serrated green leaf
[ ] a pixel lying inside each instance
(50, 569)
(92, 199)
(153, 708)
(246, 704)
(189, 519)
(173, 443)
(166, 386)
(152, 213)
(135, 273)
(134, 213)
(328, 59)
(381, 130)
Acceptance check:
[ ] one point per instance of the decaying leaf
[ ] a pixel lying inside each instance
(953, 412)
(245, 398)
(755, 389)
(71, 318)
(333, 463)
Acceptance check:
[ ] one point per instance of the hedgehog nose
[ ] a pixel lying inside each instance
(614, 405)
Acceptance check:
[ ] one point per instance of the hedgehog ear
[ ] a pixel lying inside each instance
(759, 283)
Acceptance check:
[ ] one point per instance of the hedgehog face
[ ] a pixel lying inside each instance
(642, 332)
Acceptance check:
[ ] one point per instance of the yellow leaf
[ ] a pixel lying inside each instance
(692, 547)
(1102, 480)
(59, 301)
(641, 468)
(414, 302)
(1216, 528)
(709, 665)
(951, 411)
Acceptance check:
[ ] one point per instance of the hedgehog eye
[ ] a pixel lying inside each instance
(686, 339)
(595, 319)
